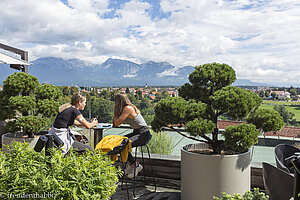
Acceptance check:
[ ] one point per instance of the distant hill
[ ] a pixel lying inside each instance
(113, 72)
(245, 82)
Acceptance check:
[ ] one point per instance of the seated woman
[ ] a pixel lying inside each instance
(69, 115)
(126, 112)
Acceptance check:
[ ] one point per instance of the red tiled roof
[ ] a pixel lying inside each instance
(285, 132)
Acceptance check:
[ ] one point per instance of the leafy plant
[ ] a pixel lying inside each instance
(208, 96)
(249, 195)
(286, 115)
(27, 104)
(266, 120)
(90, 176)
(100, 107)
(241, 137)
(160, 143)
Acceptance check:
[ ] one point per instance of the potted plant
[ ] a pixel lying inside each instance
(26, 105)
(221, 162)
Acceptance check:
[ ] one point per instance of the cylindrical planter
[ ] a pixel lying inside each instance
(204, 176)
(8, 138)
(2, 131)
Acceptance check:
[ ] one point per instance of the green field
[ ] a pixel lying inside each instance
(285, 103)
(293, 107)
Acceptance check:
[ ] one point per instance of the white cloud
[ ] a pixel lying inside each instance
(260, 39)
(130, 75)
(172, 72)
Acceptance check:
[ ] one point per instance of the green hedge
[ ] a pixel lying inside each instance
(24, 171)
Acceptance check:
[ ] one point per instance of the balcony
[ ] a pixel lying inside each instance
(167, 167)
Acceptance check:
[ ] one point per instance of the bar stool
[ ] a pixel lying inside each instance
(117, 151)
(134, 185)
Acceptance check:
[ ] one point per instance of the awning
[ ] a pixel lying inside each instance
(6, 59)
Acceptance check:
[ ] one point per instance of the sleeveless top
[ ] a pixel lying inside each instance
(136, 123)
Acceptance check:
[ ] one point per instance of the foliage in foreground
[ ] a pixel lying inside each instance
(90, 176)
(249, 195)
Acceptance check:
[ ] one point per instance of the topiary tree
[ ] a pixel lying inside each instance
(208, 96)
(26, 103)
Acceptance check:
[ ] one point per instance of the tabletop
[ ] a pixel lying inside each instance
(103, 126)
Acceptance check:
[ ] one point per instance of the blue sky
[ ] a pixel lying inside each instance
(260, 39)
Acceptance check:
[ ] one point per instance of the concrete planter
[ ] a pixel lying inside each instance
(8, 138)
(2, 131)
(205, 176)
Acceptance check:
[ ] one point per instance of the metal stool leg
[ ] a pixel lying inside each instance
(133, 187)
(150, 163)
(144, 174)
(124, 167)
(143, 161)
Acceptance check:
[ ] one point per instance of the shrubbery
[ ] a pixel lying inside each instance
(24, 171)
(27, 104)
(249, 195)
(160, 143)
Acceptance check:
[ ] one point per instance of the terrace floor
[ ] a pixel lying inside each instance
(148, 193)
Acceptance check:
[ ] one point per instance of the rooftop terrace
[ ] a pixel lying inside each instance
(167, 167)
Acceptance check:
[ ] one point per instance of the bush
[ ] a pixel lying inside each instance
(27, 104)
(160, 143)
(249, 195)
(266, 120)
(24, 171)
(240, 138)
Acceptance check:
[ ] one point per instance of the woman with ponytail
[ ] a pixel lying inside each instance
(69, 115)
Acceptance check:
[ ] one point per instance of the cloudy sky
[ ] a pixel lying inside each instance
(260, 39)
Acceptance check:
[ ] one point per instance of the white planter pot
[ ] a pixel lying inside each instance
(205, 176)
(8, 138)
(2, 130)
(2, 127)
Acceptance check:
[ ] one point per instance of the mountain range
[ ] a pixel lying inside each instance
(113, 72)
